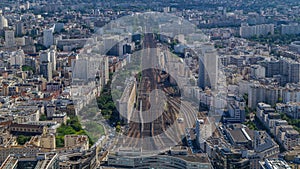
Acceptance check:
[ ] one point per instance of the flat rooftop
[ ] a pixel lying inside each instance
(202, 158)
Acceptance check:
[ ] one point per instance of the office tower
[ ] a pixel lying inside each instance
(19, 29)
(46, 70)
(10, 38)
(208, 67)
(53, 58)
(44, 56)
(3, 22)
(80, 69)
(48, 38)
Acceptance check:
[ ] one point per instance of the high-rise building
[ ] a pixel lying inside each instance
(19, 29)
(208, 67)
(53, 58)
(3, 22)
(247, 31)
(258, 71)
(44, 56)
(86, 68)
(48, 38)
(112, 46)
(46, 70)
(291, 93)
(271, 68)
(286, 69)
(197, 128)
(80, 69)
(293, 28)
(10, 38)
(49, 56)
(32, 62)
(290, 69)
(263, 93)
(17, 58)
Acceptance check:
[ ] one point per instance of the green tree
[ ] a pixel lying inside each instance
(27, 68)
(59, 141)
(21, 139)
(43, 117)
(118, 128)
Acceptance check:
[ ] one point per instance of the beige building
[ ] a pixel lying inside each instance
(46, 141)
(77, 141)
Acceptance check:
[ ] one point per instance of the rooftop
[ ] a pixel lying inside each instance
(275, 164)
(202, 158)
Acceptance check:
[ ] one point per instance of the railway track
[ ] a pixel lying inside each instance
(153, 135)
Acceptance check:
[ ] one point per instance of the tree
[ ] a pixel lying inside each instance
(280, 100)
(23, 139)
(76, 127)
(73, 126)
(43, 117)
(118, 128)
(27, 68)
(59, 141)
